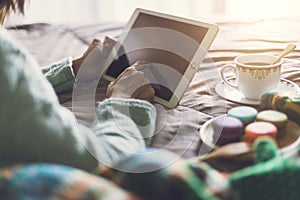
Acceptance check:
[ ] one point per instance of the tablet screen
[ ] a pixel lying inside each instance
(168, 45)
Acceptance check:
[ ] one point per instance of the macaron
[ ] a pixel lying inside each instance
(246, 114)
(279, 119)
(258, 129)
(226, 130)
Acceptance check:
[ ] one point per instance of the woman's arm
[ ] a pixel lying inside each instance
(123, 127)
(36, 128)
(62, 74)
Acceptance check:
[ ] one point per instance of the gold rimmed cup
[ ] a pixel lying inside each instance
(254, 74)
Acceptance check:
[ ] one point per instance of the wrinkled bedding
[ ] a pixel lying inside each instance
(178, 129)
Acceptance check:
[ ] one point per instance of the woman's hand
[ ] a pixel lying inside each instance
(91, 70)
(131, 84)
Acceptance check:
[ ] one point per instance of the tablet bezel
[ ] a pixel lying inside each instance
(194, 63)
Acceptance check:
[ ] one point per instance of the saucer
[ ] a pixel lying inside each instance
(285, 86)
(287, 144)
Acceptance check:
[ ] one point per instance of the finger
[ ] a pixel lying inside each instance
(110, 89)
(111, 83)
(141, 83)
(140, 64)
(127, 72)
(109, 41)
(145, 92)
(148, 92)
(108, 45)
(94, 43)
(130, 70)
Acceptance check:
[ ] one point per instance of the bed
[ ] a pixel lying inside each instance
(178, 130)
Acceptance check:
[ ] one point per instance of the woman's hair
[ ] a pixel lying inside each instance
(7, 6)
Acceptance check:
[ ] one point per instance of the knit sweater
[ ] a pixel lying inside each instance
(36, 128)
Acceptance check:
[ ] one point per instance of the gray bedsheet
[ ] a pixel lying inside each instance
(178, 128)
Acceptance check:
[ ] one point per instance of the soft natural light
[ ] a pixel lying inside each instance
(262, 8)
(99, 11)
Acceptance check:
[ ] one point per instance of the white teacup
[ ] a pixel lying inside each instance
(254, 73)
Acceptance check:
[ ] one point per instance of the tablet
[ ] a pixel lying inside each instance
(172, 46)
